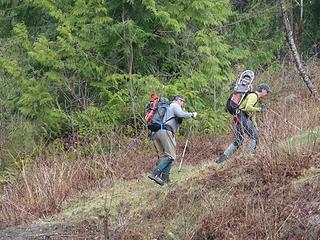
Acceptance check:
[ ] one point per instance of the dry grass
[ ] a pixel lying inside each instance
(42, 189)
(54, 179)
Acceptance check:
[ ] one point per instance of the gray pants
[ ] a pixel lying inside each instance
(244, 125)
(166, 146)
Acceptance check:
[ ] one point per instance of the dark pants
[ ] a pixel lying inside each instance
(243, 125)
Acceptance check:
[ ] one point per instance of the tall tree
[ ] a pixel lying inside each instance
(295, 53)
(254, 31)
(108, 55)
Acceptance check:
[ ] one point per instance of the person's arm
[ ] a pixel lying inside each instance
(251, 101)
(254, 120)
(179, 113)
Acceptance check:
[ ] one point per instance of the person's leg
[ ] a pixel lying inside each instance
(251, 130)
(239, 136)
(158, 149)
(156, 173)
(164, 163)
(236, 144)
(230, 150)
(158, 145)
(165, 176)
(167, 143)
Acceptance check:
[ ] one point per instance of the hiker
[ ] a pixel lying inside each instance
(164, 139)
(244, 120)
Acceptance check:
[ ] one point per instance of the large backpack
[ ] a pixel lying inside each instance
(242, 87)
(156, 110)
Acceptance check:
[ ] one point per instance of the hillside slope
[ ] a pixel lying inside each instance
(247, 198)
(274, 194)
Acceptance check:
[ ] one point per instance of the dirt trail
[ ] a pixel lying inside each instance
(67, 230)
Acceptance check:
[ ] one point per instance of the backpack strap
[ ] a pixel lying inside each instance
(164, 125)
(246, 95)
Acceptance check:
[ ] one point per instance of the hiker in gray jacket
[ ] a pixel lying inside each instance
(164, 139)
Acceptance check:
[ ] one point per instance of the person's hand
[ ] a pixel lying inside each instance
(263, 108)
(194, 114)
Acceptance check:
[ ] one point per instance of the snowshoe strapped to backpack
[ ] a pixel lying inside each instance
(242, 87)
(156, 110)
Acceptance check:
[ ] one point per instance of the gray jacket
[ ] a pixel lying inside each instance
(174, 116)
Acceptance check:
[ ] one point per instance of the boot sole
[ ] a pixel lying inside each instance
(156, 180)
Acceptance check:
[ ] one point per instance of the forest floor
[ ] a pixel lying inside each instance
(86, 219)
(72, 226)
(141, 209)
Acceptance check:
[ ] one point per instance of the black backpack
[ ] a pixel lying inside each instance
(242, 88)
(156, 110)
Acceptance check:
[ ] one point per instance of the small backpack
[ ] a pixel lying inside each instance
(156, 110)
(242, 88)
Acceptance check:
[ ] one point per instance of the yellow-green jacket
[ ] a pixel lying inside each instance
(248, 105)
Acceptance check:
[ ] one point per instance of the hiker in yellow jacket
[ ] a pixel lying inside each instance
(245, 121)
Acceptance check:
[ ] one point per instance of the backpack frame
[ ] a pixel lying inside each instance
(242, 87)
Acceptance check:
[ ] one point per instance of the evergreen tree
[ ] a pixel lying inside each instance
(255, 31)
(110, 54)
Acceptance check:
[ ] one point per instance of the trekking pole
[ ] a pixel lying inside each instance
(154, 144)
(185, 147)
(286, 120)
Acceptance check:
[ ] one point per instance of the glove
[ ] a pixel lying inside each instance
(194, 114)
(263, 108)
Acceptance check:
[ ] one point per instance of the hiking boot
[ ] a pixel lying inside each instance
(221, 158)
(155, 178)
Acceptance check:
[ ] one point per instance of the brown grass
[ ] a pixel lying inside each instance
(53, 179)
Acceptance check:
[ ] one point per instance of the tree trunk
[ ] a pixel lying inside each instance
(301, 12)
(132, 94)
(295, 53)
(301, 24)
